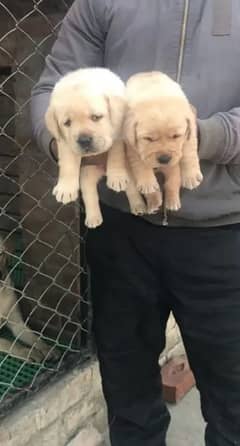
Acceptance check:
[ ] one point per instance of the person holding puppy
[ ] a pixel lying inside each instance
(142, 270)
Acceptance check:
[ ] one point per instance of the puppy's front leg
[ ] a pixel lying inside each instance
(135, 199)
(89, 178)
(190, 167)
(67, 187)
(154, 202)
(143, 175)
(172, 187)
(117, 175)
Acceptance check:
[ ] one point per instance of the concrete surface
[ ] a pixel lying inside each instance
(87, 437)
(187, 426)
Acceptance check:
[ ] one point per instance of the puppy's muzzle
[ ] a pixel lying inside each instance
(86, 143)
(164, 159)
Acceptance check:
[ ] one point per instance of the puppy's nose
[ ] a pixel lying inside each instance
(164, 159)
(85, 141)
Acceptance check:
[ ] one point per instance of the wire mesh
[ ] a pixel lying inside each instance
(44, 309)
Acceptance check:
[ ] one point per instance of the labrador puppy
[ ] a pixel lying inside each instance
(85, 117)
(161, 135)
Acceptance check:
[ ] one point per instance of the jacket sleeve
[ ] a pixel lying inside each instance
(219, 137)
(80, 44)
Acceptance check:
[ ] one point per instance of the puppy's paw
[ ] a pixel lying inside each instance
(148, 186)
(66, 192)
(173, 202)
(93, 220)
(138, 207)
(154, 202)
(117, 180)
(191, 180)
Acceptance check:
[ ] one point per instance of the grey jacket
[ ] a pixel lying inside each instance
(196, 42)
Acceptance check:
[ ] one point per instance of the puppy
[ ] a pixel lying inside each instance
(85, 116)
(10, 316)
(161, 135)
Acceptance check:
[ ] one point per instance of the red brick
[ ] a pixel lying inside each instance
(177, 379)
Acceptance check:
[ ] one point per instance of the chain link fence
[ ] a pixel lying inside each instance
(44, 310)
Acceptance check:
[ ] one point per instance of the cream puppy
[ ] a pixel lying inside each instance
(161, 134)
(85, 116)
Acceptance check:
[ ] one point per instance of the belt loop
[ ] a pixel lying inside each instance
(222, 17)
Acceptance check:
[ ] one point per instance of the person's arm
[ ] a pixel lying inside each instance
(80, 44)
(219, 137)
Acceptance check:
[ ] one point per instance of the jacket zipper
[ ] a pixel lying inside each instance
(182, 40)
(179, 72)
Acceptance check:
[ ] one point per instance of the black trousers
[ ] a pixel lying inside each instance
(141, 272)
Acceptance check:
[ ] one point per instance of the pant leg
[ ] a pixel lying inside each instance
(129, 326)
(204, 281)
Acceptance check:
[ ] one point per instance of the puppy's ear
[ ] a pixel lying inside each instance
(194, 110)
(116, 109)
(130, 129)
(191, 122)
(52, 123)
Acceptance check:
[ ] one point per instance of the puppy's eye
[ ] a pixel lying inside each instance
(96, 118)
(176, 136)
(148, 138)
(67, 123)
